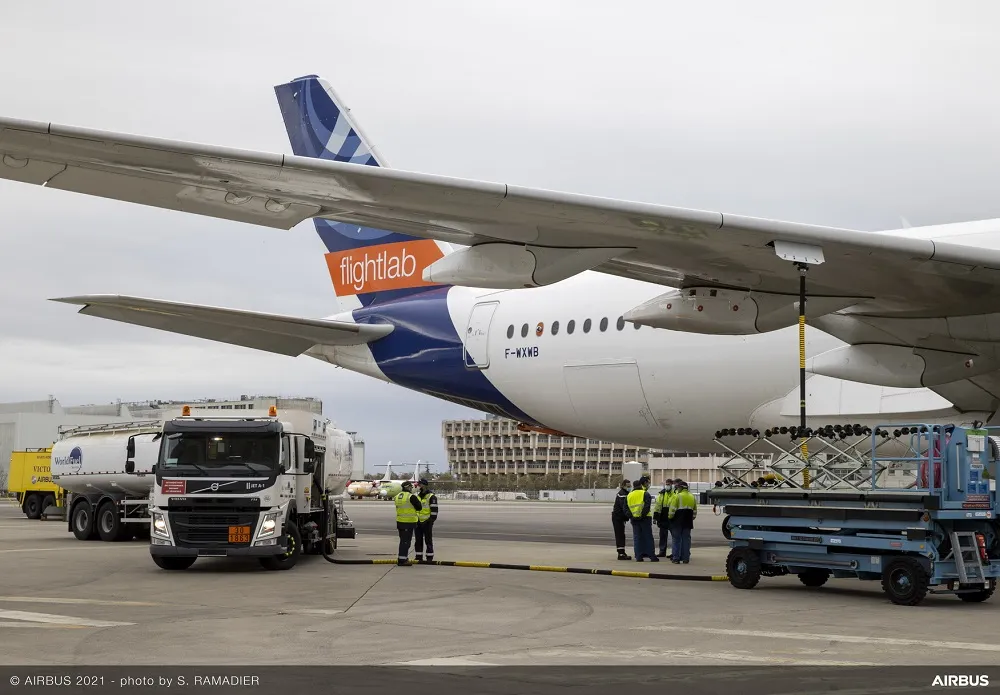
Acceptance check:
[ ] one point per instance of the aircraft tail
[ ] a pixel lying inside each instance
(366, 265)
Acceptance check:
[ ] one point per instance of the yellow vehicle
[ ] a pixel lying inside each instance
(30, 478)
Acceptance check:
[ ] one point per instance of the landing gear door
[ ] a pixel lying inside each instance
(477, 334)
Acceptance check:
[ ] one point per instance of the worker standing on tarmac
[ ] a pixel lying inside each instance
(619, 513)
(407, 514)
(661, 509)
(425, 520)
(640, 504)
(683, 510)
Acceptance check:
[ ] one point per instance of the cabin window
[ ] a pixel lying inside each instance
(586, 326)
(524, 331)
(555, 327)
(621, 323)
(570, 327)
(510, 332)
(604, 324)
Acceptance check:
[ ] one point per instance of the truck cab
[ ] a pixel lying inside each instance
(237, 487)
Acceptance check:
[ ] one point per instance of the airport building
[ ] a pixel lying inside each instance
(494, 446)
(36, 424)
(689, 467)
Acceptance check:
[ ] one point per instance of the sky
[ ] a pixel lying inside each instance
(847, 114)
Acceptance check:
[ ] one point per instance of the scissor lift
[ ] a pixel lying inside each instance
(910, 505)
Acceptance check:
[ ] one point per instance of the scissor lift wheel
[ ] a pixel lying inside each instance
(980, 595)
(905, 581)
(743, 568)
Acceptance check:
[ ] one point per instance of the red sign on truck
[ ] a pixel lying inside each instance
(173, 487)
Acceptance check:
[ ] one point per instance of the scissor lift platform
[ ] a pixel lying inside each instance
(936, 534)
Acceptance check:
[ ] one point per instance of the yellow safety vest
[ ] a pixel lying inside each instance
(683, 500)
(663, 500)
(425, 506)
(635, 501)
(405, 513)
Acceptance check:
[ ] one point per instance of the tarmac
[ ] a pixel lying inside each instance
(69, 602)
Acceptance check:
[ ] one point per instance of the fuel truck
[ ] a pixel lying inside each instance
(244, 486)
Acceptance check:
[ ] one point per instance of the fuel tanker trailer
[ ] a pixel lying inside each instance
(102, 500)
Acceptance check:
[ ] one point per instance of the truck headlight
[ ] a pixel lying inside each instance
(269, 525)
(159, 526)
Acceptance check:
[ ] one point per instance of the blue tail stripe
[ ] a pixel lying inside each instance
(318, 128)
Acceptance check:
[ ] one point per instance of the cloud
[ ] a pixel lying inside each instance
(850, 117)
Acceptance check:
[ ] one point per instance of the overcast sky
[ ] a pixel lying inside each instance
(848, 113)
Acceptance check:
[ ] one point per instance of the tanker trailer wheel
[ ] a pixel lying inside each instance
(173, 563)
(109, 523)
(49, 501)
(82, 521)
(33, 506)
(291, 556)
(743, 568)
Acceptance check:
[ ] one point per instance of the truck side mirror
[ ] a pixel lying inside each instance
(153, 469)
(130, 449)
(310, 450)
(130, 467)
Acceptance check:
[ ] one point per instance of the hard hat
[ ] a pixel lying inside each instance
(423, 482)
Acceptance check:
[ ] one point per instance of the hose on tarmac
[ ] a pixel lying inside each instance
(328, 556)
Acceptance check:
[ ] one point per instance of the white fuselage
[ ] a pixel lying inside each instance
(646, 386)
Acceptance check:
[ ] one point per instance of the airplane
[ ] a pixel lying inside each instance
(358, 489)
(388, 489)
(570, 314)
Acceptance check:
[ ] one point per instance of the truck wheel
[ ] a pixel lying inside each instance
(982, 594)
(82, 521)
(49, 501)
(814, 577)
(32, 506)
(173, 563)
(109, 523)
(288, 560)
(727, 530)
(743, 568)
(905, 581)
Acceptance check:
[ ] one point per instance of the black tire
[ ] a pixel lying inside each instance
(727, 531)
(173, 563)
(905, 581)
(33, 506)
(814, 577)
(49, 501)
(108, 521)
(982, 594)
(291, 557)
(743, 568)
(82, 521)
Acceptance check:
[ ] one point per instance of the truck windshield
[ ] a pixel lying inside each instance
(228, 454)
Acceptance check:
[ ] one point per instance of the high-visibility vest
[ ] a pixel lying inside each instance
(405, 513)
(683, 500)
(635, 501)
(425, 506)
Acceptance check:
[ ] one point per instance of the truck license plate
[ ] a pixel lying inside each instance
(239, 534)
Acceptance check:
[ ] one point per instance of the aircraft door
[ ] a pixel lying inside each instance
(477, 335)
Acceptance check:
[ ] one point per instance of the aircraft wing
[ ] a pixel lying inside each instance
(285, 335)
(902, 291)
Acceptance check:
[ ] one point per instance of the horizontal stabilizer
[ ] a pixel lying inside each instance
(285, 335)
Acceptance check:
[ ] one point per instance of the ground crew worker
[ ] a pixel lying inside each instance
(640, 504)
(683, 510)
(425, 520)
(407, 513)
(660, 510)
(619, 513)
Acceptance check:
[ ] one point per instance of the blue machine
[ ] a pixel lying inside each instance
(937, 534)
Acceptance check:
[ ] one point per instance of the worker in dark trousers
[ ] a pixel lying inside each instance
(661, 509)
(683, 510)
(425, 520)
(619, 515)
(407, 514)
(640, 507)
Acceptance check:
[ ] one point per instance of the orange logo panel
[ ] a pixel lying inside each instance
(384, 267)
